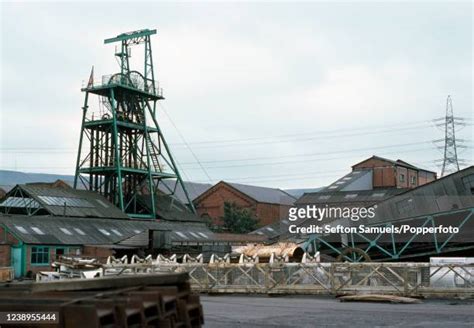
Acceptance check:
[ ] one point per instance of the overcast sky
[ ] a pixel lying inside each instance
(272, 94)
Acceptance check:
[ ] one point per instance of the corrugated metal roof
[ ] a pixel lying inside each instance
(79, 203)
(445, 194)
(355, 180)
(140, 239)
(272, 230)
(347, 198)
(264, 194)
(448, 193)
(76, 231)
(55, 230)
(243, 238)
(194, 189)
(192, 233)
(170, 209)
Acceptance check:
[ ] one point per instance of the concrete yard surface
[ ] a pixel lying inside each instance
(318, 311)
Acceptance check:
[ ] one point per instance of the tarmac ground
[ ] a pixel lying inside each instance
(316, 311)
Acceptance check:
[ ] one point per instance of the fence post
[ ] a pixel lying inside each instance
(267, 277)
(405, 281)
(332, 281)
(206, 269)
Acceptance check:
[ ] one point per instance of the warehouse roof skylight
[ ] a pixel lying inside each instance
(37, 230)
(68, 201)
(66, 231)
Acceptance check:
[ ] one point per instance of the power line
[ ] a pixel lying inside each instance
(304, 155)
(186, 144)
(254, 164)
(286, 177)
(306, 175)
(184, 141)
(322, 137)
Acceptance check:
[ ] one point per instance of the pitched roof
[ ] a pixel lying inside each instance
(75, 231)
(449, 193)
(355, 180)
(79, 203)
(243, 238)
(194, 189)
(398, 162)
(169, 208)
(452, 192)
(54, 230)
(272, 230)
(264, 194)
(360, 197)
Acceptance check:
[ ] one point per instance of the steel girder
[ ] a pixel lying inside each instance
(394, 248)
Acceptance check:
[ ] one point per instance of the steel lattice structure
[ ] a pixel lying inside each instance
(448, 201)
(122, 152)
(450, 161)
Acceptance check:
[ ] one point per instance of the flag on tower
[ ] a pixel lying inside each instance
(91, 78)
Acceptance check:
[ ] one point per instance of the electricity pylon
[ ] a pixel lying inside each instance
(451, 144)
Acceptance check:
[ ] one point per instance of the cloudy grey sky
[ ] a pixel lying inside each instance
(275, 94)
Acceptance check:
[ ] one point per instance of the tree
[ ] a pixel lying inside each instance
(238, 220)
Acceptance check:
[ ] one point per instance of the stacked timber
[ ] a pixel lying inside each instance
(152, 300)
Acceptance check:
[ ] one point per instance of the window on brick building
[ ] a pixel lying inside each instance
(402, 177)
(413, 180)
(40, 255)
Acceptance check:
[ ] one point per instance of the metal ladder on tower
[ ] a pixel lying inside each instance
(152, 151)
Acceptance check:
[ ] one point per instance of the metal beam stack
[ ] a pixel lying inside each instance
(139, 301)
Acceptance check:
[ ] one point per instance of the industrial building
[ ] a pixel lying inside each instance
(448, 201)
(386, 173)
(370, 182)
(39, 222)
(267, 204)
(128, 196)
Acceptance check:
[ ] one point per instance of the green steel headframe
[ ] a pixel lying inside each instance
(122, 152)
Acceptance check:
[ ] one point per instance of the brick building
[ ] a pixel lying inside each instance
(370, 182)
(267, 204)
(387, 173)
(41, 221)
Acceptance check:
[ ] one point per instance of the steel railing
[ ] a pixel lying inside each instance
(409, 279)
(131, 81)
(306, 277)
